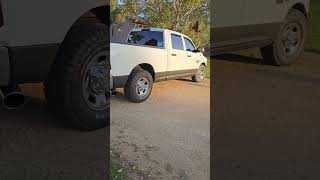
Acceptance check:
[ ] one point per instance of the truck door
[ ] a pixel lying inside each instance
(177, 56)
(192, 57)
(263, 17)
(227, 20)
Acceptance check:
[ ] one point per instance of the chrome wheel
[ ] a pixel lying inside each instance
(142, 87)
(292, 38)
(201, 74)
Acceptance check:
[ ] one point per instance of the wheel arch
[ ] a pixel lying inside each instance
(149, 68)
(92, 14)
(300, 7)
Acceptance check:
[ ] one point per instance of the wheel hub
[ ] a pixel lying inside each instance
(97, 79)
(95, 83)
(201, 72)
(142, 87)
(291, 38)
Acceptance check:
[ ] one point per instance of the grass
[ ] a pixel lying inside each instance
(313, 41)
(117, 172)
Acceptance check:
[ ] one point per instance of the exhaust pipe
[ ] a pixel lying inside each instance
(12, 98)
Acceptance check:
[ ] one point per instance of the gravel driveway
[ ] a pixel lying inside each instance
(166, 137)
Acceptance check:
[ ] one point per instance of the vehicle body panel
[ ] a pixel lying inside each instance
(167, 63)
(37, 22)
(125, 57)
(32, 32)
(248, 23)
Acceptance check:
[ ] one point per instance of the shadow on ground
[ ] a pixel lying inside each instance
(266, 120)
(239, 58)
(34, 113)
(36, 145)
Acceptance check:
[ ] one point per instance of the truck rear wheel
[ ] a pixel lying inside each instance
(289, 44)
(139, 85)
(77, 87)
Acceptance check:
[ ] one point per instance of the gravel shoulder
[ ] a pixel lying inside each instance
(166, 137)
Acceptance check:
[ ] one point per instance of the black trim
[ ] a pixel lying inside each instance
(180, 73)
(160, 76)
(228, 39)
(119, 81)
(235, 47)
(31, 63)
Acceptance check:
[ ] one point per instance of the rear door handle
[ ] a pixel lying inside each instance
(174, 54)
(189, 55)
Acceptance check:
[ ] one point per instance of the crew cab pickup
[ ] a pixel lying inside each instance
(152, 55)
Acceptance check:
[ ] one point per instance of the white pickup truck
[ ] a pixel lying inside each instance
(152, 55)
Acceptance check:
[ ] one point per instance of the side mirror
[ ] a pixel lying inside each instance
(196, 51)
(199, 50)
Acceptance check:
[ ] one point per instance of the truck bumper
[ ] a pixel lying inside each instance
(4, 67)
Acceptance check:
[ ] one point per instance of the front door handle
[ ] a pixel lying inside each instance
(189, 55)
(174, 54)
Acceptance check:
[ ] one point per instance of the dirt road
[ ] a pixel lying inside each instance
(166, 137)
(34, 145)
(266, 119)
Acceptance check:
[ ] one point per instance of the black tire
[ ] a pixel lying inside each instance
(131, 88)
(280, 54)
(64, 87)
(200, 75)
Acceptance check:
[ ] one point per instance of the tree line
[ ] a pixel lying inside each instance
(190, 17)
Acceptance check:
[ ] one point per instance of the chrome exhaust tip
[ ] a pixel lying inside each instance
(12, 99)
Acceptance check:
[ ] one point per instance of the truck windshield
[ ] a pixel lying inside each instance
(148, 38)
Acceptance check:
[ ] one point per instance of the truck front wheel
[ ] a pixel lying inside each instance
(200, 75)
(139, 85)
(78, 85)
(289, 43)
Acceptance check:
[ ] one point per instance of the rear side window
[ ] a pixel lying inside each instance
(148, 38)
(176, 42)
(189, 45)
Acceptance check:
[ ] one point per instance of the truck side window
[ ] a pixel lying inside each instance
(189, 45)
(176, 42)
(148, 38)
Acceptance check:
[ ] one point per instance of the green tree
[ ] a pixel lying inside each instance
(177, 15)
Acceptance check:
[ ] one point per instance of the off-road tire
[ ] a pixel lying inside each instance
(130, 87)
(63, 87)
(196, 78)
(274, 54)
